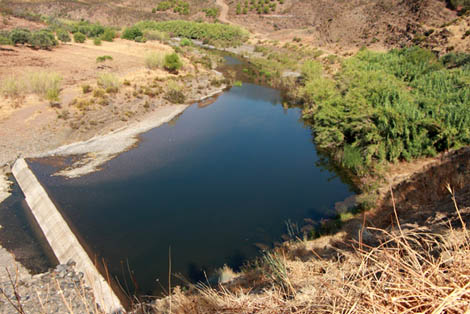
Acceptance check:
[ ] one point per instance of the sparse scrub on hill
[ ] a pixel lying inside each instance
(177, 6)
(212, 33)
(211, 12)
(109, 82)
(390, 106)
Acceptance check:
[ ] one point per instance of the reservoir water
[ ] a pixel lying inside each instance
(210, 184)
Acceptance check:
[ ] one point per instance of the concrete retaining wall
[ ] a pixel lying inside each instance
(61, 238)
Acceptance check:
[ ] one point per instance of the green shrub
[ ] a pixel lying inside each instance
(5, 40)
(79, 38)
(43, 40)
(132, 33)
(154, 60)
(186, 42)
(455, 60)
(86, 88)
(385, 107)
(97, 41)
(20, 36)
(213, 33)
(103, 58)
(172, 62)
(211, 12)
(140, 39)
(108, 35)
(63, 36)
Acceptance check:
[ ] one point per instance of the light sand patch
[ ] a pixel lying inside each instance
(100, 149)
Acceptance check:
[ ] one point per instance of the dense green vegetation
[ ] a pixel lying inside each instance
(385, 107)
(41, 39)
(212, 33)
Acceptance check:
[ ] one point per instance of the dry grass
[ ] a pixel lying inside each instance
(155, 60)
(409, 270)
(12, 87)
(109, 82)
(44, 84)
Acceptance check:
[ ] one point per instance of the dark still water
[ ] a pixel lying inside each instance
(209, 184)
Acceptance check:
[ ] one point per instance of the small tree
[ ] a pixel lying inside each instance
(172, 63)
(20, 36)
(79, 38)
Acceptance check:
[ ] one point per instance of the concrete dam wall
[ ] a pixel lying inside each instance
(60, 237)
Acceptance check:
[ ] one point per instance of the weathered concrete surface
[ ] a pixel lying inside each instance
(62, 240)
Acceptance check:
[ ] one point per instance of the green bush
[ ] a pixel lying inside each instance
(108, 35)
(455, 60)
(79, 38)
(211, 12)
(103, 58)
(5, 39)
(97, 41)
(172, 62)
(140, 39)
(63, 35)
(88, 29)
(43, 40)
(385, 107)
(132, 33)
(186, 42)
(20, 36)
(212, 33)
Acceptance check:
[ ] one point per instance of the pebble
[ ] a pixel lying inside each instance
(42, 289)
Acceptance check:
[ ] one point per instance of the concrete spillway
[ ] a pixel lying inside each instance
(62, 240)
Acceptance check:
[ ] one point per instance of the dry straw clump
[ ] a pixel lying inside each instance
(410, 269)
